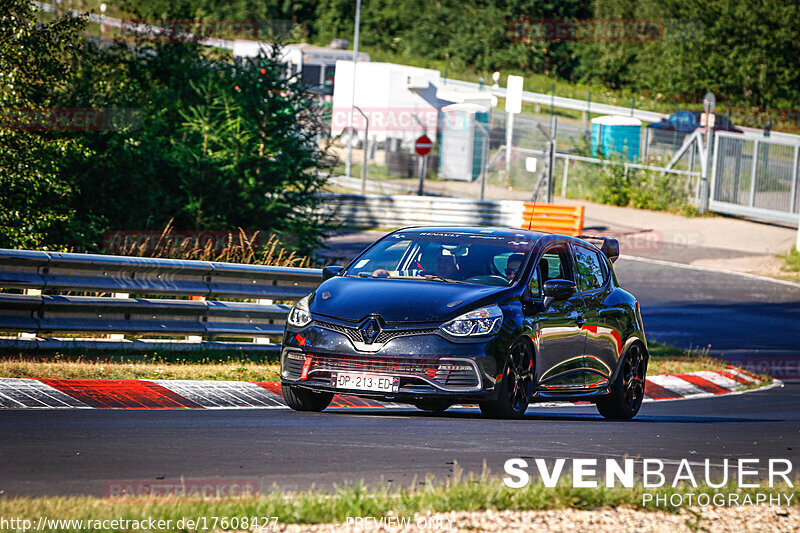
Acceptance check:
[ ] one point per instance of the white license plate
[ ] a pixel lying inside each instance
(359, 381)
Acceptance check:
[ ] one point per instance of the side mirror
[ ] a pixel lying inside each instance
(557, 289)
(331, 271)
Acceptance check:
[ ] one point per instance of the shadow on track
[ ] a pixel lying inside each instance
(534, 416)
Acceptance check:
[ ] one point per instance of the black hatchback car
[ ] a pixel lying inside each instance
(498, 317)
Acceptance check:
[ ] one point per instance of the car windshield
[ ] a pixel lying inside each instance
(459, 257)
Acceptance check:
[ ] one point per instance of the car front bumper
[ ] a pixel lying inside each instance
(426, 363)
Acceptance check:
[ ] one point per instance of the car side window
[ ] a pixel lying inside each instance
(554, 264)
(589, 264)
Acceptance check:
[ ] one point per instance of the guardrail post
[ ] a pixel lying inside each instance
(24, 335)
(195, 338)
(262, 340)
(118, 336)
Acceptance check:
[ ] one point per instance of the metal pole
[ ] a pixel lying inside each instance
(509, 138)
(795, 172)
(704, 192)
(797, 244)
(420, 171)
(349, 160)
(795, 178)
(550, 159)
(588, 108)
(366, 151)
(484, 155)
(753, 168)
(564, 181)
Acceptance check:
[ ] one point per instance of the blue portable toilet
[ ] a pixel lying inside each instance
(616, 136)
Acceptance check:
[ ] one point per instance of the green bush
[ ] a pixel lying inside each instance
(612, 184)
(205, 142)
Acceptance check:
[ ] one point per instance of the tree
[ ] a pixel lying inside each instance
(35, 59)
(218, 145)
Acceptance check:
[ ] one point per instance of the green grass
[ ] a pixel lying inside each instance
(472, 493)
(792, 260)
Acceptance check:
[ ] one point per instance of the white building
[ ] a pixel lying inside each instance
(399, 101)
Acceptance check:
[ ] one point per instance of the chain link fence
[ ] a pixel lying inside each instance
(751, 175)
(755, 176)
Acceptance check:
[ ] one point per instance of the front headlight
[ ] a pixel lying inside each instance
(300, 316)
(483, 321)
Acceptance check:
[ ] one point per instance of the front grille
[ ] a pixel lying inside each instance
(354, 334)
(368, 364)
(450, 374)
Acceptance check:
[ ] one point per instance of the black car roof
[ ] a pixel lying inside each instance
(532, 235)
(503, 232)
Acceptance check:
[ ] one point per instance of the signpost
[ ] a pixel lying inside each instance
(423, 147)
(709, 103)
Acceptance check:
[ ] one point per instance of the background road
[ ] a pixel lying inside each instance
(750, 322)
(79, 451)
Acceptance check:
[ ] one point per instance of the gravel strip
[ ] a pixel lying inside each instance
(708, 519)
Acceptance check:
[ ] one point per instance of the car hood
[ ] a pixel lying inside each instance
(397, 300)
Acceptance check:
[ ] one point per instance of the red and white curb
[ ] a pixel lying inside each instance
(21, 393)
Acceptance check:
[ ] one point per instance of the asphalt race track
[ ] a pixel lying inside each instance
(751, 322)
(81, 451)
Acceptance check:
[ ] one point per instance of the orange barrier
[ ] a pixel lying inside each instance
(564, 219)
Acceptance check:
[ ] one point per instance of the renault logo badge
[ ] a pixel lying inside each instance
(370, 330)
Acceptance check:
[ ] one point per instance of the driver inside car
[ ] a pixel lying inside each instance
(446, 266)
(513, 265)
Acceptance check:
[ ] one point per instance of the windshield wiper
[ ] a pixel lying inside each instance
(431, 277)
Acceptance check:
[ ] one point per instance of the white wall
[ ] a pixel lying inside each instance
(382, 92)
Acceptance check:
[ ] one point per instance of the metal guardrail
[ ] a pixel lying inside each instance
(208, 318)
(565, 103)
(560, 102)
(371, 211)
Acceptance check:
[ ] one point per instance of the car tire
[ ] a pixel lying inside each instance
(433, 406)
(516, 385)
(628, 388)
(301, 399)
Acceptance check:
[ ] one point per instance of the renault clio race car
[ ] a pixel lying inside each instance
(498, 317)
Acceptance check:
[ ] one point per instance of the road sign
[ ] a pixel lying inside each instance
(709, 102)
(423, 145)
(514, 94)
(708, 119)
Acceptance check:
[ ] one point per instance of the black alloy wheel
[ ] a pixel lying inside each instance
(625, 401)
(516, 385)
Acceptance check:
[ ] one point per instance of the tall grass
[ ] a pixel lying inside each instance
(240, 247)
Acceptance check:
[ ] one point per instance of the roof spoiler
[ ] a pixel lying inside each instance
(608, 245)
